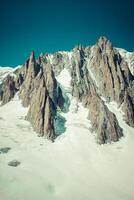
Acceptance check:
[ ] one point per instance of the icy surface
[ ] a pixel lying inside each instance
(64, 79)
(88, 60)
(74, 167)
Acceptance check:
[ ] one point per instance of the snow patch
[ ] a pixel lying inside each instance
(64, 79)
(90, 72)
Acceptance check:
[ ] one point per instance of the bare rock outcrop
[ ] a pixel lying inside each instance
(104, 122)
(96, 71)
(58, 60)
(10, 85)
(79, 73)
(42, 111)
(31, 69)
(113, 77)
(43, 96)
(8, 89)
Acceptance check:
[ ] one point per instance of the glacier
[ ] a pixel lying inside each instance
(73, 167)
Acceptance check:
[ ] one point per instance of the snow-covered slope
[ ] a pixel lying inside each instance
(73, 167)
(129, 58)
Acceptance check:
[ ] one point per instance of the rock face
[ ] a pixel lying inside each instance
(31, 70)
(8, 89)
(43, 96)
(128, 57)
(79, 73)
(10, 85)
(59, 61)
(14, 163)
(113, 77)
(104, 122)
(97, 72)
(4, 150)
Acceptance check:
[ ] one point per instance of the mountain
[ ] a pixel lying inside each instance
(76, 100)
(98, 74)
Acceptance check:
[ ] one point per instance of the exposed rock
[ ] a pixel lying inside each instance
(38, 90)
(8, 89)
(113, 77)
(59, 61)
(31, 70)
(14, 163)
(19, 80)
(41, 92)
(104, 122)
(128, 57)
(42, 111)
(4, 150)
(10, 85)
(79, 73)
(128, 108)
(96, 71)
(84, 88)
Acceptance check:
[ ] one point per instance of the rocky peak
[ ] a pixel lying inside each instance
(128, 57)
(104, 44)
(8, 89)
(40, 59)
(32, 68)
(103, 74)
(10, 85)
(97, 72)
(42, 95)
(51, 83)
(32, 57)
(104, 122)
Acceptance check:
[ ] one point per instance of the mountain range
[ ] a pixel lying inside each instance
(98, 74)
(77, 102)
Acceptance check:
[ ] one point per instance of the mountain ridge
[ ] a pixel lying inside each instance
(96, 71)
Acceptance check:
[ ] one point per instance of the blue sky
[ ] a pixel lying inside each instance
(52, 25)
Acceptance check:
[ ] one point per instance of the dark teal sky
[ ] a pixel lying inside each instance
(52, 25)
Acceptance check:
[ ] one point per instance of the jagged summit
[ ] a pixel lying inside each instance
(103, 39)
(98, 75)
(104, 44)
(32, 57)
